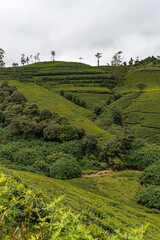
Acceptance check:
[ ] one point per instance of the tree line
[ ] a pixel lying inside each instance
(117, 59)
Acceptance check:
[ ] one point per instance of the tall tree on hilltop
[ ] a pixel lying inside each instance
(131, 61)
(15, 64)
(117, 59)
(23, 60)
(2, 53)
(98, 56)
(53, 54)
(27, 59)
(38, 58)
(118, 69)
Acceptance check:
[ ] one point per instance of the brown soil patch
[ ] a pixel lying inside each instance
(100, 173)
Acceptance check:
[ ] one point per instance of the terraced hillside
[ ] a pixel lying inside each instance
(90, 198)
(41, 83)
(140, 108)
(93, 86)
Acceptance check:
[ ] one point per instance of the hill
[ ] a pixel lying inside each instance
(41, 83)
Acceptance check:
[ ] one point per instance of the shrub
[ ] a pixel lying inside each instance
(18, 97)
(116, 116)
(116, 163)
(65, 167)
(27, 156)
(41, 167)
(89, 142)
(50, 132)
(142, 157)
(46, 114)
(31, 110)
(97, 111)
(151, 174)
(141, 86)
(2, 117)
(149, 197)
(111, 149)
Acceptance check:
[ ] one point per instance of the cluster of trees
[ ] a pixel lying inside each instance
(73, 99)
(26, 119)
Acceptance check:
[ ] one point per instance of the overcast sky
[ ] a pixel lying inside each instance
(79, 28)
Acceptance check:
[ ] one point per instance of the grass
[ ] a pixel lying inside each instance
(93, 199)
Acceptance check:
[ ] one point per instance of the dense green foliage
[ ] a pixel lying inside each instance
(89, 197)
(149, 197)
(27, 214)
(26, 119)
(151, 174)
(64, 167)
(142, 157)
(115, 111)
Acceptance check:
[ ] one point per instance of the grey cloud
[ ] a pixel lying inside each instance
(75, 28)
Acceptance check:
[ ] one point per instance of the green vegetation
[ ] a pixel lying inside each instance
(64, 167)
(76, 115)
(27, 214)
(89, 198)
(81, 119)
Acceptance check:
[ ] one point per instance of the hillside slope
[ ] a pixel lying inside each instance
(76, 115)
(103, 216)
(140, 108)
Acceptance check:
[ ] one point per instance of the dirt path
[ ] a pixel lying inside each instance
(104, 172)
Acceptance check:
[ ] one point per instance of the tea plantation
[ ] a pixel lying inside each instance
(59, 120)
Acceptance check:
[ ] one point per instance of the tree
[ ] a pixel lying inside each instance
(2, 53)
(23, 60)
(137, 61)
(141, 86)
(80, 59)
(117, 59)
(118, 69)
(131, 61)
(53, 53)
(14, 64)
(38, 58)
(27, 59)
(98, 56)
(116, 116)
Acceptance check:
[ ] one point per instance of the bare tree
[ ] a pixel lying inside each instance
(98, 56)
